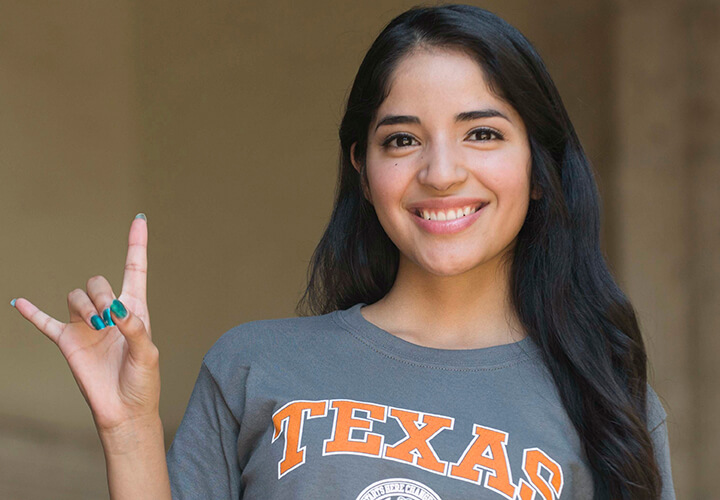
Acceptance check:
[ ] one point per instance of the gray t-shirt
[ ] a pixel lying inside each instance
(332, 406)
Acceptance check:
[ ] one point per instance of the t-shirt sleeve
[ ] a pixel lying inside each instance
(657, 424)
(203, 459)
(662, 455)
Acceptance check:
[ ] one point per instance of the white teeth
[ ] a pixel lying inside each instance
(449, 214)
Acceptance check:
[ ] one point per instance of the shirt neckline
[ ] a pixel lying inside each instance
(486, 357)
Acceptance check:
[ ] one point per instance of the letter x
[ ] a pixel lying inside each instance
(415, 448)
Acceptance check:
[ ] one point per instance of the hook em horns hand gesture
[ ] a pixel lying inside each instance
(117, 366)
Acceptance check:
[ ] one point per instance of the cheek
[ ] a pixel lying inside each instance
(509, 178)
(387, 185)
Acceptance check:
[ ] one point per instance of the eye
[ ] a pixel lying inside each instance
(403, 140)
(485, 134)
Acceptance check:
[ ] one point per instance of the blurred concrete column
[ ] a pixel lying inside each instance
(703, 153)
(667, 181)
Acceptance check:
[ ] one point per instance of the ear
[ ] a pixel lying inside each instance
(536, 193)
(355, 164)
(363, 178)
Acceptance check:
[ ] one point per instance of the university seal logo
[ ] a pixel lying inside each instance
(397, 489)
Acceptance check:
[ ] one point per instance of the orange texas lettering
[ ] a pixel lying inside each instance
(418, 439)
(289, 421)
(484, 460)
(345, 422)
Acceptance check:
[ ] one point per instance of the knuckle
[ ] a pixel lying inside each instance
(131, 266)
(153, 352)
(137, 328)
(74, 292)
(149, 354)
(45, 322)
(98, 278)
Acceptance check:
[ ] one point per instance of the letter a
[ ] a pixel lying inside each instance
(487, 451)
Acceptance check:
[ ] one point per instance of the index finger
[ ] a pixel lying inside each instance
(135, 277)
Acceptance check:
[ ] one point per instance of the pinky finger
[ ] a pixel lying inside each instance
(48, 325)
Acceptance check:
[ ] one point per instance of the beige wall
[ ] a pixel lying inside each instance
(219, 121)
(69, 178)
(667, 186)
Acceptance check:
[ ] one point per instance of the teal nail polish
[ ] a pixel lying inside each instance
(118, 308)
(107, 318)
(141, 216)
(12, 302)
(97, 322)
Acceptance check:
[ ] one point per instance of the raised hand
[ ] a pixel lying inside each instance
(116, 367)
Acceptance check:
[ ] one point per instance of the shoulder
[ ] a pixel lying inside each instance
(656, 413)
(267, 338)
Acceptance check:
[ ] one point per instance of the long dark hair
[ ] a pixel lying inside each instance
(561, 287)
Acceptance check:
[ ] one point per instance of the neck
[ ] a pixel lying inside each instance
(465, 311)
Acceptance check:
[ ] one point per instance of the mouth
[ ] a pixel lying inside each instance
(434, 214)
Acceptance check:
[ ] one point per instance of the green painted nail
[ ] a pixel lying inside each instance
(118, 308)
(97, 322)
(141, 216)
(107, 318)
(12, 302)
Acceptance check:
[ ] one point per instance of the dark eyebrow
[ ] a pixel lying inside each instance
(460, 117)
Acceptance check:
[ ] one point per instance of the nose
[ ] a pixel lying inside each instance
(441, 167)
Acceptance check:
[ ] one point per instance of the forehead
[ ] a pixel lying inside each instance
(434, 80)
(421, 61)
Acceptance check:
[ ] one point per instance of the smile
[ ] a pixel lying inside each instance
(448, 214)
(447, 221)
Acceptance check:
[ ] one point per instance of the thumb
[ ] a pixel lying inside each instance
(141, 348)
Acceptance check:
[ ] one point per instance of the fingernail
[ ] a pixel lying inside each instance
(97, 322)
(118, 308)
(141, 216)
(107, 318)
(12, 302)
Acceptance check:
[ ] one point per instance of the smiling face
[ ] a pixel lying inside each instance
(438, 150)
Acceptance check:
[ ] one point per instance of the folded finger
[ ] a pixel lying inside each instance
(101, 295)
(82, 309)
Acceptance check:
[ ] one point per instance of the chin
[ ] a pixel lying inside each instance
(447, 269)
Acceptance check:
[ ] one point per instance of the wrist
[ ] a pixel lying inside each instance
(136, 460)
(133, 435)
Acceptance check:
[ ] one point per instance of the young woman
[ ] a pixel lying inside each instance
(462, 336)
